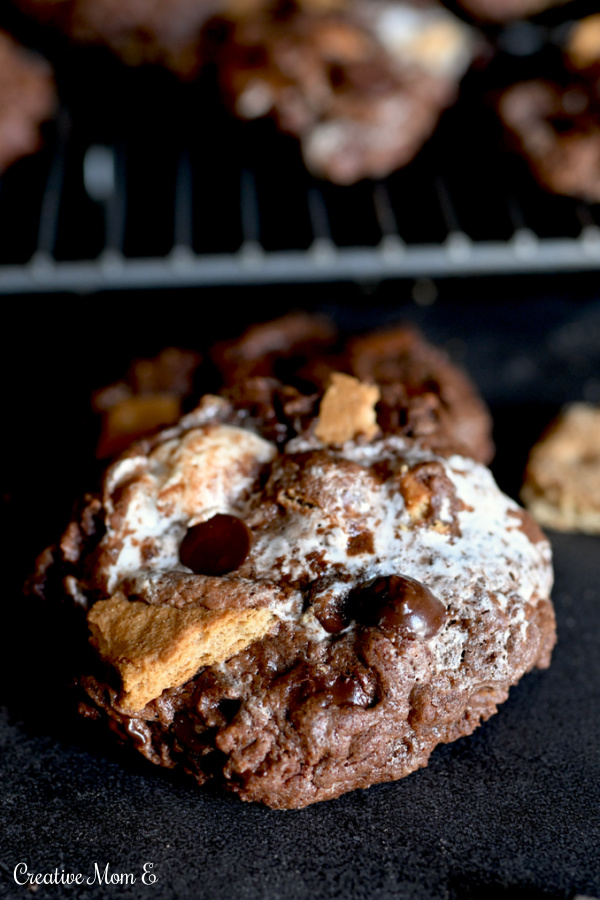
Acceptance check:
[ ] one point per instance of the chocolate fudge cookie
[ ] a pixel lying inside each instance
(562, 480)
(293, 618)
(156, 390)
(27, 98)
(274, 349)
(362, 87)
(167, 32)
(505, 10)
(557, 129)
(422, 394)
(556, 124)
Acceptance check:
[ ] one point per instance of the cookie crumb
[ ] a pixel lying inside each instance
(347, 410)
(159, 647)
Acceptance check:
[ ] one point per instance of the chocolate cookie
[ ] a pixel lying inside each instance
(422, 394)
(167, 32)
(562, 480)
(293, 619)
(556, 124)
(27, 98)
(557, 129)
(505, 10)
(362, 87)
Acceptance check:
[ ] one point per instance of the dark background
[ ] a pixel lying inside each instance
(511, 812)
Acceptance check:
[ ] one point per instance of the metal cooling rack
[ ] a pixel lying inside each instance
(176, 194)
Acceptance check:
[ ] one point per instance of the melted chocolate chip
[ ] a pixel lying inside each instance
(329, 606)
(401, 604)
(343, 691)
(330, 613)
(346, 691)
(191, 735)
(217, 546)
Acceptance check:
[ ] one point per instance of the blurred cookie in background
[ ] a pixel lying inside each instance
(362, 86)
(277, 369)
(165, 32)
(150, 396)
(556, 127)
(27, 98)
(424, 394)
(562, 481)
(506, 10)
(554, 120)
(274, 349)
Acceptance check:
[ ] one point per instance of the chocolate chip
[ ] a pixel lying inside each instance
(217, 546)
(329, 606)
(191, 736)
(346, 692)
(401, 604)
(330, 613)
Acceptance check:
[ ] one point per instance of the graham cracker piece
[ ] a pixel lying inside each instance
(562, 481)
(417, 496)
(159, 647)
(347, 410)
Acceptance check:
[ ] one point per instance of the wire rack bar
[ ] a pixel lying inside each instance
(51, 199)
(336, 231)
(183, 226)
(391, 242)
(340, 264)
(116, 209)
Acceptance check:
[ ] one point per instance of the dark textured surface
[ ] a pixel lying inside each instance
(512, 811)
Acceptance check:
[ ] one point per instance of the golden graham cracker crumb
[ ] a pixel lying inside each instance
(347, 410)
(159, 647)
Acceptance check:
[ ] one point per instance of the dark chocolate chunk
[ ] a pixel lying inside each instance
(329, 609)
(217, 546)
(401, 604)
(344, 692)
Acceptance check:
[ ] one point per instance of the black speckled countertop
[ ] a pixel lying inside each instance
(511, 812)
